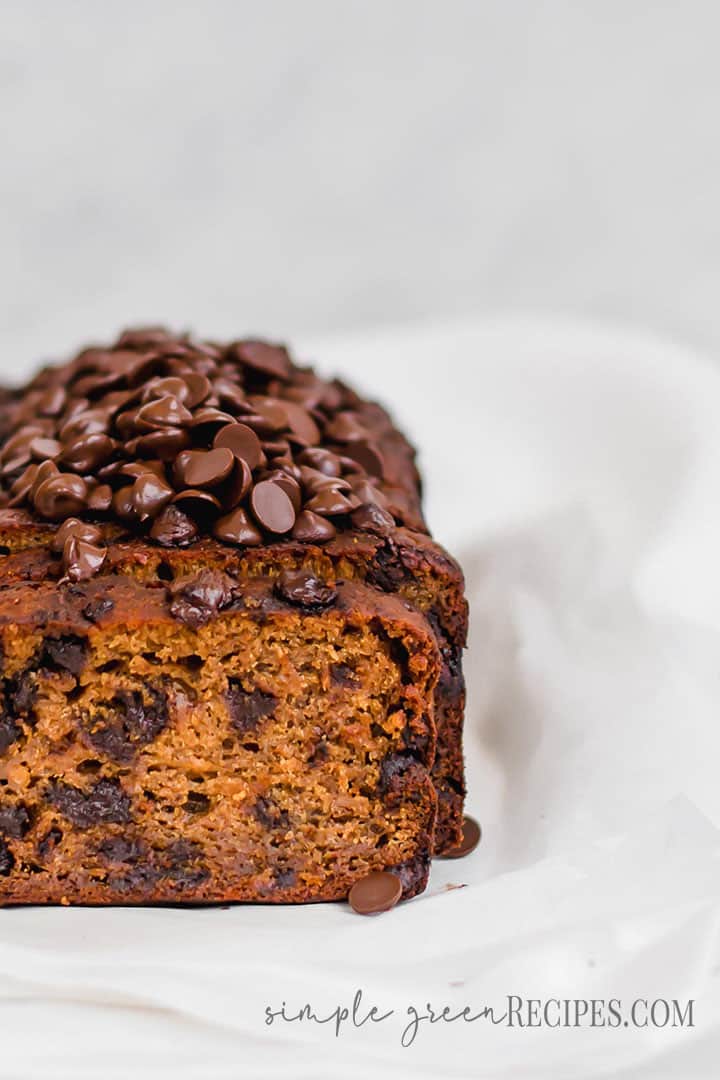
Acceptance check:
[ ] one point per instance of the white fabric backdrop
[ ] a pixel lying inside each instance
(575, 471)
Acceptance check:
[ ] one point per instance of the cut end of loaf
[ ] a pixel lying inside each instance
(279, 750)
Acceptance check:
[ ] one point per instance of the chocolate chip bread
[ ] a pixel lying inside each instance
(231, 653)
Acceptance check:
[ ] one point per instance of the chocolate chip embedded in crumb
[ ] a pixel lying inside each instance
(96, 609)
(10, 732)
(471, 837)
(68, 653)
(15, 820)
(130, 720)
(378, 892)
(48, 843)
(121, 849)
(303, 589)
(343, 675)
(20, 693)
(7, 859)
(105, 802)
(197, 598)
(248, 708)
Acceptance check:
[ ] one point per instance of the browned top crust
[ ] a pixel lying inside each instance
(173, 439)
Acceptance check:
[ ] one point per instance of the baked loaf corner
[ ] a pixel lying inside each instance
(231, 652)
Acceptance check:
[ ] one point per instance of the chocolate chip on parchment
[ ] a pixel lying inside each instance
(378, 892)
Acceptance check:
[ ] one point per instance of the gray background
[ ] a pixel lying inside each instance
(326, 165)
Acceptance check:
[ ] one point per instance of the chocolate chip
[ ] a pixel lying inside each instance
(10, 732)
(121, 849)
(248, 708)
(41, 448)
(471, 837)
(181, 862)
(87, 453)
(379, 891)
(95, 610)
(310, 528)
(196, 599)
(302, 425)
(100, 498)
(271, 360)
(371, 518)
(82, 530)
(386, 570)
(103, 803)
(48, 843)
(163, 413)
(81, 560)
(7, 859)
(343, 675)
(272, 507)
(398, 772)
(68, 653)
(285, 877)
(198, 388)
(131, 719)
(303, 589)
(150, 493)
(173, 528)
(15, 820)
(330, 502)
(241, 441)
(237, 528)
(61, 496)
(140, 427)
(367, 455)
(206, 468)
(20, 693)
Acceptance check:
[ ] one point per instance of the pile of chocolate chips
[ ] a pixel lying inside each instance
(175, 438)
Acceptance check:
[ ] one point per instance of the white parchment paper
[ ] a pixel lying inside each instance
(576, 472)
